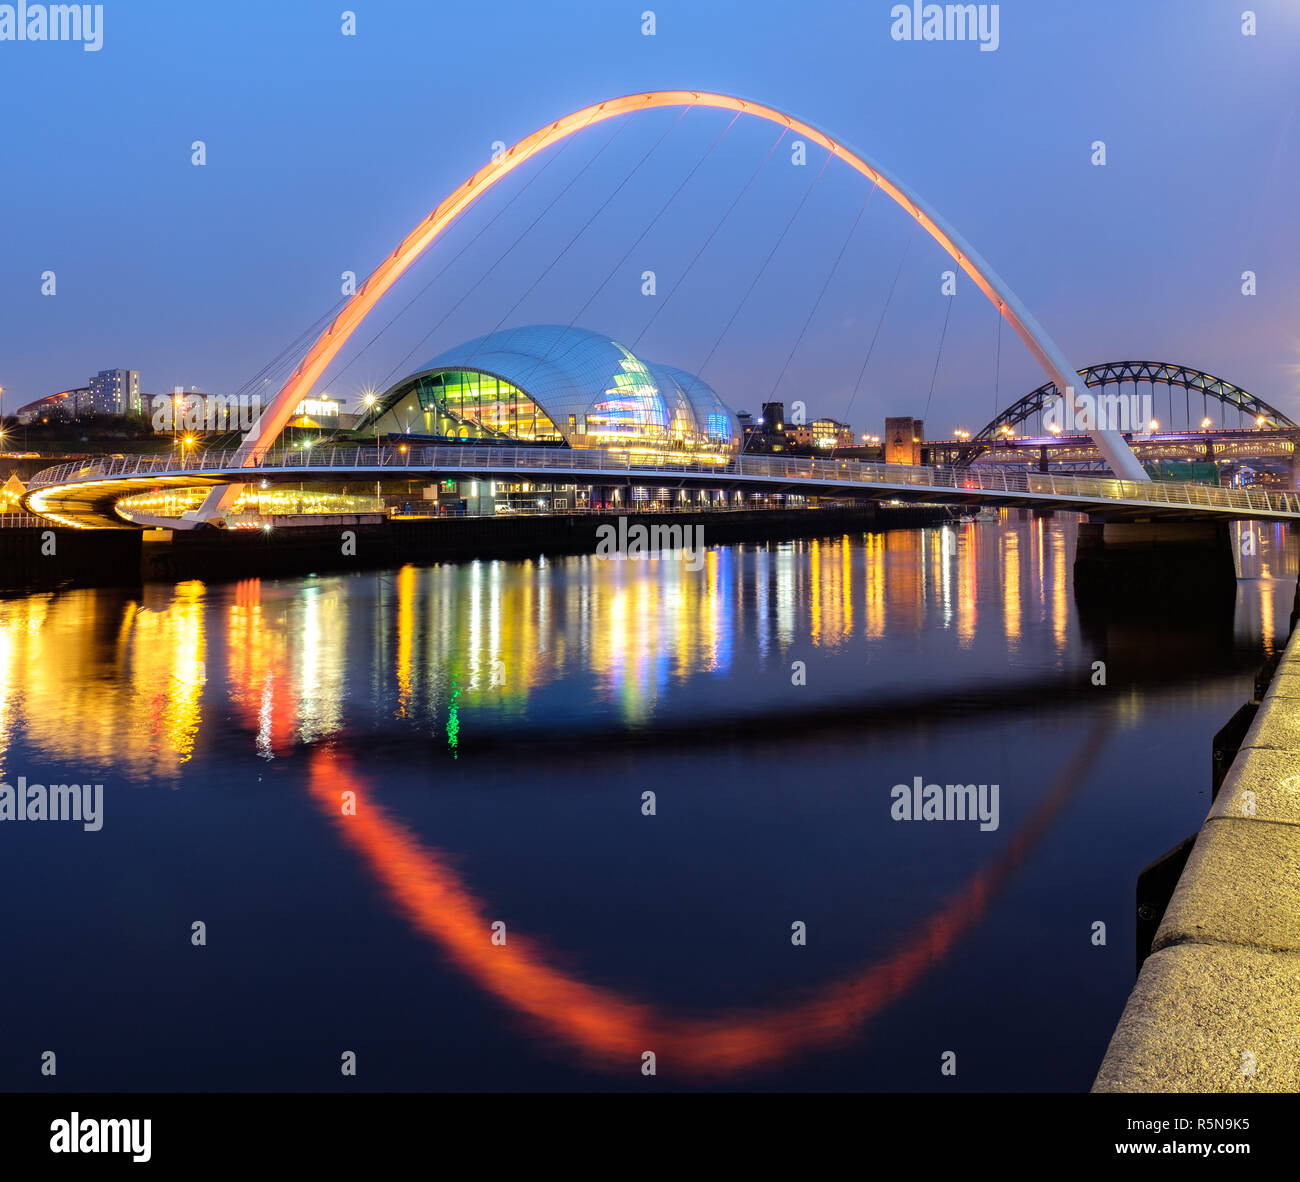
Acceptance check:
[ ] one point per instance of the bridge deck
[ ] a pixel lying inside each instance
(82, 493)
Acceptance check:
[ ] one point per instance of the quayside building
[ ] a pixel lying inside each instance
(559, 386)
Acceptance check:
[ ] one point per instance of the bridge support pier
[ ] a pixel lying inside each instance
(1147, 568)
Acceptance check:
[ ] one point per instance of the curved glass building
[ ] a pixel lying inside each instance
(547, 384)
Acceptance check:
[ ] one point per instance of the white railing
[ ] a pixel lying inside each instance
(623, 466)
(21, 520)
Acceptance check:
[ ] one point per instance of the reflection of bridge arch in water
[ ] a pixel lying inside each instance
(300, 384)
(610, 1029)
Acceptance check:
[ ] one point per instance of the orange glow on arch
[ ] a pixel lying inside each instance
(332, 340)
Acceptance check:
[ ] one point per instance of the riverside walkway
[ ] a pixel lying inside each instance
(1216, 1007)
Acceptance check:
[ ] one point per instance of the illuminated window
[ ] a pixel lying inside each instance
(631, 410)
(467, 404)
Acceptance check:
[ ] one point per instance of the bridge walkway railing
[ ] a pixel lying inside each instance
(596, 464)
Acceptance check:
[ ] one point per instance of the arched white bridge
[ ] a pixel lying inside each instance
(272, 421)
(84, 494)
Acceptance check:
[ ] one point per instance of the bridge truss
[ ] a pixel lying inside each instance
(1250, 412)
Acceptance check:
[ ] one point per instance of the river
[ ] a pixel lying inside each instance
(524, 825)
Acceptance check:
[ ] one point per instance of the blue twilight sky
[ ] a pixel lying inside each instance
(323, 150)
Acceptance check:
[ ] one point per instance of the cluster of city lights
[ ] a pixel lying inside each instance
(263, 502)
(677, 457)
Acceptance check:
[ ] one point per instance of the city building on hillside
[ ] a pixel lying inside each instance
(109, 392)
(61, 407)
(822, 434)
(112, 392)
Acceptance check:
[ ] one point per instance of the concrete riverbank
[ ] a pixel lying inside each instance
(1216, 1006)
(36, 558)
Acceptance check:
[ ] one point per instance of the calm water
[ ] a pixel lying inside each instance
(498, 724)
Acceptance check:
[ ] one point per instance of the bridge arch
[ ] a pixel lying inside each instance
(310, 369)
(1116, 373)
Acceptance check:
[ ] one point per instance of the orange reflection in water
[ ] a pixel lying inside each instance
(873, 558)
(1011, 587)
(406, 585)
(611, 1030)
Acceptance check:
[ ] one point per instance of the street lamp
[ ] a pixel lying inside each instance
(178, 413)
(369, 401)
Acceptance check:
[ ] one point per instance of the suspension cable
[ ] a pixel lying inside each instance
(997, 365)
(584, 227)
(474, 286)
(649, 226)
(821, 294)
(880, 323)
(712, 233)
(754, 282)
(938, 355)
(550, 159)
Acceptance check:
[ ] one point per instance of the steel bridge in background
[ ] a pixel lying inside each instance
(1259, 431)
